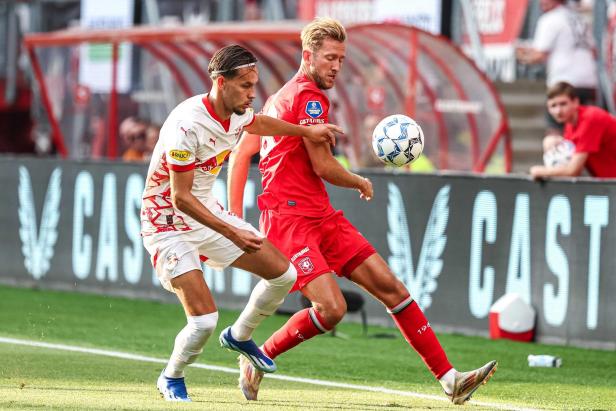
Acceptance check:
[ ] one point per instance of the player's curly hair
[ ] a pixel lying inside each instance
(320, 29)
(228, 60)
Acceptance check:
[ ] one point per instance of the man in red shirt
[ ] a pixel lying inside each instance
(299, 219)
(592, 131)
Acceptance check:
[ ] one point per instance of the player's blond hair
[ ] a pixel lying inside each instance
(320, 29)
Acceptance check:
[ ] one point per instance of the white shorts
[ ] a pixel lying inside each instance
(174, 253)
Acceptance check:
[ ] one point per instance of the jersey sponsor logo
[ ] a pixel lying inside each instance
(299, 253)
(314, 109)
(213, 165)
(305, 121)
(305, 264)
(184, 127)
(180, 155)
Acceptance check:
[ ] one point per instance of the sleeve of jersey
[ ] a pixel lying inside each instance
(589, 133)
(545, 36)
(248, 117)
(181, 147)
(311, 108)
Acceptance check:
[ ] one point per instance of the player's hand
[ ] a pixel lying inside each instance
(246, 240)
(323, 133)
(365, 189)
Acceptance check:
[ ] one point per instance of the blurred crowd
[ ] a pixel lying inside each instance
(138, 138)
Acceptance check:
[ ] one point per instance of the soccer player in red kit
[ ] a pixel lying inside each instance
(299, 219)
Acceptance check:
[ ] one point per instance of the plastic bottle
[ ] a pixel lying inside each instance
(544, 361)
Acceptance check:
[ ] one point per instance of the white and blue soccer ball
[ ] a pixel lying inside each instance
(397, 140)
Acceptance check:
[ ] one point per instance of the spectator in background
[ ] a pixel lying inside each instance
(133, 138)
(563, 41)
(592, 131)
(151, 138)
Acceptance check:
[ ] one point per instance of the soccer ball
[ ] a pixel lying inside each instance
(560, 154)
(397, 140)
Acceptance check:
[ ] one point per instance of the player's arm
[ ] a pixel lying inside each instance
(181, 184)
(328, 168)
(572, 169)
(239, 165)
(529, 55)
(543, 42)
(269, 126)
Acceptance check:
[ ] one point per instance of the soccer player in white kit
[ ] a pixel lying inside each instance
(183, 224)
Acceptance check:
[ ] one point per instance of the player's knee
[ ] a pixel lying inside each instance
(203, 325)
(190, 341)
(393, 291)
(332, 311)
(286, 279)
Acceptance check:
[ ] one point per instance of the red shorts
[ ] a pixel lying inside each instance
(316, 245)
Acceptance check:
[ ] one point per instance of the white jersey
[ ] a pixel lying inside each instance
(562, 33)
(192, 137)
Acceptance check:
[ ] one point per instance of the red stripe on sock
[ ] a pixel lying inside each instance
(298, 329)
(417, 331)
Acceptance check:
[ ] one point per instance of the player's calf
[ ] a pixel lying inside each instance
(265, 298)
(189, 343)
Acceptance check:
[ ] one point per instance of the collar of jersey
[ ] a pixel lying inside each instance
(208, 106)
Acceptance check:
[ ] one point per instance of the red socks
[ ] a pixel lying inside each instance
(302, 326)
(417, 331)
(409, 318)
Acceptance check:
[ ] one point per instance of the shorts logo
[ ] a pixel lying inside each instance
(180, 155)
(172, 261)
(306, 265)
(314, 109)
(299, 254)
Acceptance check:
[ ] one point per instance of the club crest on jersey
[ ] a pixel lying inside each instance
(314, 109)
(180, 155)
(305, 264)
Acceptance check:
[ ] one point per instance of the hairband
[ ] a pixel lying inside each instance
(235, 68)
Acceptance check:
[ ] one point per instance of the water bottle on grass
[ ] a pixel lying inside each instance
(544, 361)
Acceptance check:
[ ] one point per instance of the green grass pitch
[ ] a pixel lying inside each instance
(33, 378)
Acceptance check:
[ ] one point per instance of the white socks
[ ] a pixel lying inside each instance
(265, 298)
(448, 380)
(189, 343)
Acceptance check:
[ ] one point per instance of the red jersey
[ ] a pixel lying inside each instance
(595, 134)
(290, 185)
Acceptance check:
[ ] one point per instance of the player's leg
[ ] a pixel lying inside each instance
(278, 276)
(375, 276)
(202, 316)
(328, 309)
